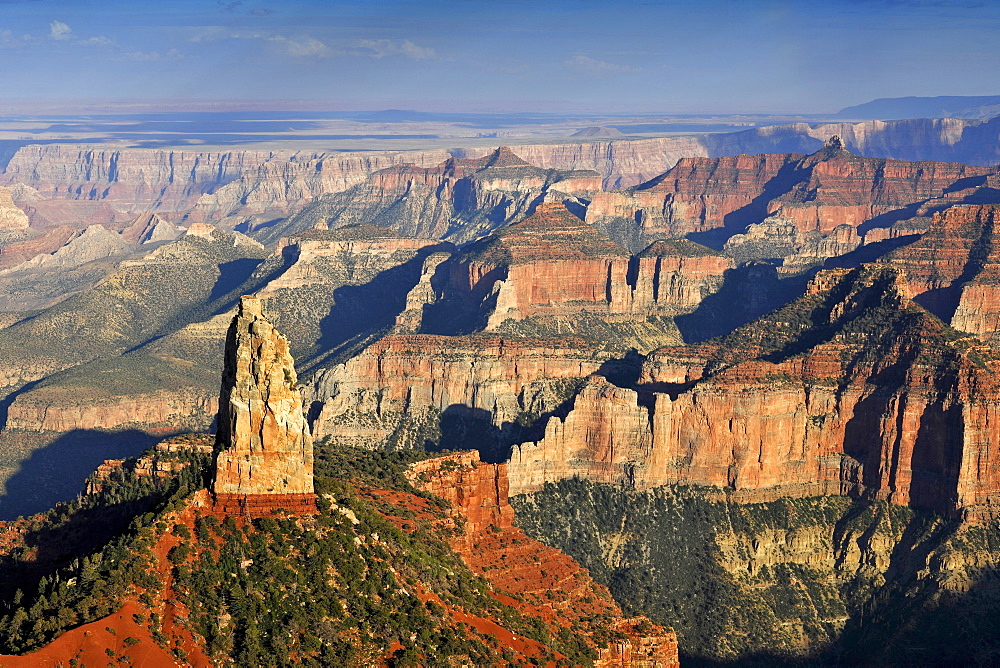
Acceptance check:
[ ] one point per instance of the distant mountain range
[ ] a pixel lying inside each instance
(943, 106)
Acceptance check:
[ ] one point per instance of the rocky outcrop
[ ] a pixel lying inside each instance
(815, 194)
(403, 389)
(264, 448)
(547, 582)
(550, 263)
(11, 217)
(41, 410)
(953, 270)
(675, 275)
(553, 265)
(460, 199)
(850, 389)
(476, 491)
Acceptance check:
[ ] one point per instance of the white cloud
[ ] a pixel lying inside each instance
(60, 31)
(100, 40)
(302, 47)
(597, 68)
(380, 48)
(9, 40)
(140, 56)
(307, 46)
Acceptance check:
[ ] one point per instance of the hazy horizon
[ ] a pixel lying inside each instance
(685, 57)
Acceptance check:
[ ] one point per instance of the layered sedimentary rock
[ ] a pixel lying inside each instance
(344, 285)
(953, 270)
(252, 185)
(816, 194)
(554, 264)
(459, 199)
(496, 549)
(551, 272)
(215, 185)
(17, 251)
(40, 410)
(973, 142)
(360, 252)
(401, 390)
(264, 447)
(620, 163)
(11, 217)
(284, 183)
(676, 275)
(850, 388)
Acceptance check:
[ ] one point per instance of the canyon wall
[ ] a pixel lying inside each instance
(460, 199)
(168, 408)
(213, 184)
(972, 142)
(399, 390)
(818, 192)
(953, 270)
(553, 264)
(254, 186)
(874, 402)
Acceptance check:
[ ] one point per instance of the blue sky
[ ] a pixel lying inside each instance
(719, 56)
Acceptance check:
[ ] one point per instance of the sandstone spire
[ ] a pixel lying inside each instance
(263, 445)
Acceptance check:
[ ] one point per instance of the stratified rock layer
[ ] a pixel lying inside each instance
(953, 270)
(850, 389)
(554, 264)
(403, 385)
(264, 445)
(459, 200)
(814, 194)
(11, 217)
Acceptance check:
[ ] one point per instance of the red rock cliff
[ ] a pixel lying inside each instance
(554, 264)
(817, 192)
(875, 402)
(421, 376)
(547, 582)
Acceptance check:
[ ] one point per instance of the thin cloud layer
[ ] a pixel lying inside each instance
(598, 68)
(657, 55)
(381, 48)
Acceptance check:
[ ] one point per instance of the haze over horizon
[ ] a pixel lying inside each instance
(713, 56)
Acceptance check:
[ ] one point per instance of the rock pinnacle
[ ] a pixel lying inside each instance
(263, 444)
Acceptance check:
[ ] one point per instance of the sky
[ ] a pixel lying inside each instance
(650, 56)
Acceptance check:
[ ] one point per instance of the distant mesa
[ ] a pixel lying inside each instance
(264, 450)
(944, 106)
(598, 132)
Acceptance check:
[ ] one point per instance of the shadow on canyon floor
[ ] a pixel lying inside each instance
(747, 293)
(55, 465)
(951, 629)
